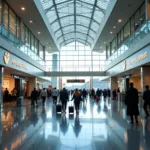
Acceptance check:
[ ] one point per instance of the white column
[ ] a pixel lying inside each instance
(1, 86)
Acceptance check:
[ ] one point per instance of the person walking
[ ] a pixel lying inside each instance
(131, 100)
(34, 97)
(14, 94)
(64, 98)
(146, 98)
(55, 95)
(77, 98)
(84, 94)
(105, 95)
(43, 96)
(98, 93)
(114, 93)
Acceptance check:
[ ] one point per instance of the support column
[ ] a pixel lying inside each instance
(145, 74)
(1, 86)
(31, 85)
(91, 82)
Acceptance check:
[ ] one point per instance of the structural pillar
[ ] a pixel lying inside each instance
(31, 85)
(91, 82)
(1, 86)
(145, 74)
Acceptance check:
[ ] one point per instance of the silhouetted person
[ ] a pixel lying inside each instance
(105, 95)
(77, 98)
(131, 100)
(98, 93)
(108, 93)
(92, 93)
(14, 94)
(114, 93)
(34, 97)
(6, 95)
(43, 96)
(64, 98)
(146, 98)
(77, 127)
(84, 94)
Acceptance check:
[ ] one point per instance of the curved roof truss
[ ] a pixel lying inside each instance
(79, 19)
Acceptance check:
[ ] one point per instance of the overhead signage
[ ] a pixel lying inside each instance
(75, 81)
(17, 76)
(14, 62)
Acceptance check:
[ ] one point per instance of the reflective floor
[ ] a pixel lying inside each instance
(99, 126)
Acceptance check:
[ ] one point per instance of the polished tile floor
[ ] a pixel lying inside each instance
(99, 126)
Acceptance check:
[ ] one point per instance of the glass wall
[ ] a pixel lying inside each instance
(18, 34)
(76, 57)
(134, 30)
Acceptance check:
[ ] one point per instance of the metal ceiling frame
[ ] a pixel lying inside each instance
(77, 41)
(73, 15)
(56, 11)
(76, 25)
(76, 32)
(49, 9)
(93, 11)
(86, 12)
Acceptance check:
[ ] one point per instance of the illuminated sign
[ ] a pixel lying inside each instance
(124, 64)
(75, 81)
(6, 57)
(138, 59)
(14, 62)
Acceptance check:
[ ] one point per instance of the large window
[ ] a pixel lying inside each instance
(12, 22)
(76, 57)
(6, 16)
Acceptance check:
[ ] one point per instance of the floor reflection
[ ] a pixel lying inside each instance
(99, 125)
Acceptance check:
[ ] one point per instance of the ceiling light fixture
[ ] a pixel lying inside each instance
(39, 32)
(111, 32)
(23, 8)
(114, 27)
(31, 21)
(119, 20)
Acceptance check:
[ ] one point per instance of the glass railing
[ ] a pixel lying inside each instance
(11, 38)
(138, 35)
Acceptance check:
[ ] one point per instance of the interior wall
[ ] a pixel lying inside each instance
(137, 82)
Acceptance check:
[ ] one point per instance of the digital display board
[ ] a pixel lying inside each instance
(76, 81)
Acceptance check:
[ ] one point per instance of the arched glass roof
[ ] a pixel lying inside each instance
(75, 20)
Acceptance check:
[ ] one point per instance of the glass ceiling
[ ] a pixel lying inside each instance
(75, 20)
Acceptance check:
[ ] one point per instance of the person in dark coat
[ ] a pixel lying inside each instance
(34, 97)
(108, 92)
(6, 95)
(98, 93)
(114, 93)
(64, 98)
(131, 100)
(146, 98)
(84, 94)
(105, 95)
(77, 98)
(92, 93)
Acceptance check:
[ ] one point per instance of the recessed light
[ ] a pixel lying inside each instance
(119, 20)
(39, 32)
(22, 8)
(114, 27)
(111, 32)
(31, 21)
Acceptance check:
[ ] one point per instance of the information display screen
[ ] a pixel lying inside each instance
(76, 81)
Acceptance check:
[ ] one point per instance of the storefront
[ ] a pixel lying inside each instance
(17, 73)
(133, 69)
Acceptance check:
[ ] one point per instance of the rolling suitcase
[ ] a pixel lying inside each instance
(58, 108)
(71, 109)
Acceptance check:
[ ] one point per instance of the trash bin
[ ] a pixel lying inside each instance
(20, 101)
